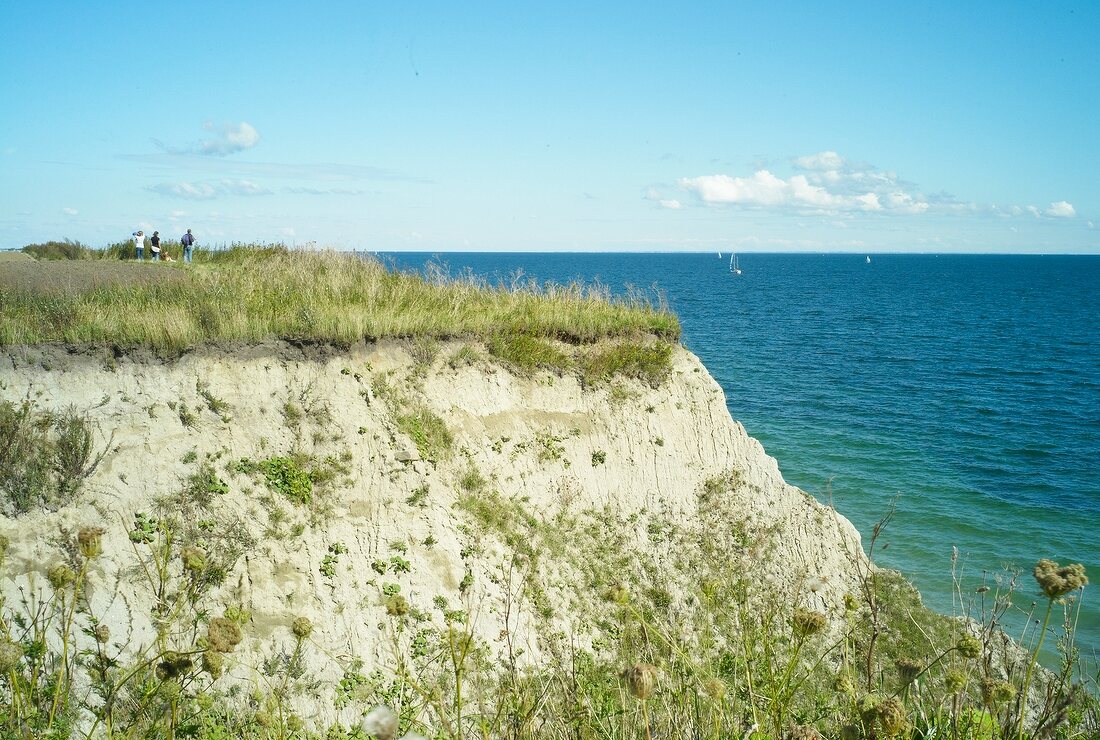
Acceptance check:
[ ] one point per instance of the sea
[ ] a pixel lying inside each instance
(958, 395)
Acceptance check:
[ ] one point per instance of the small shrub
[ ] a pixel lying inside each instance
(527, 353)
(650, 362)
(286, 477)
(599, 457)
(429, 432)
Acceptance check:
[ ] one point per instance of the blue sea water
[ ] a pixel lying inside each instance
(964, 390)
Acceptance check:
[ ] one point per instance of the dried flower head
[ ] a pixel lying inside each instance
(102, 634)
(908, 669)
(61, 577)
(10, 655)
(850, 602)
(397, 605)
(715, 688)
(641, 680)
(618, 594)
(803, 732)
(1059, 581)
(955, 681)
(996, 692)
(843, 684)
(222, 635)
(381, 722)
(173, 665)
(969, 646)
(90, 540)
(302, 628)
(806, 622)
(891, 716)
(213, 663)
(194, 559)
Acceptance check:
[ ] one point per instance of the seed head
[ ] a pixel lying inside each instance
(715, 689)
(891, 715)
(618, 594)
(908, 669)
(212, 663)
(397, 605)
(955, 681)
(843, 684)
(1059, 581)
(102, 634)
(380, 722)
(10, 655)
(194, 559)
(802, 732)
(996, 692)
(61, 577)
(641, 680)
(969, 646)
(222, 635)
(302, 628)
(90, 540)
(806, 622)
(173, 665)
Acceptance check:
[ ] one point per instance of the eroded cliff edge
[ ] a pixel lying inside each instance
(444, 489)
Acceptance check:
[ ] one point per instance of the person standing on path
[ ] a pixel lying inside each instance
(154, 243)
(187, 241)
(139, 245)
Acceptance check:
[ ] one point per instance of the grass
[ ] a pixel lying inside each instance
(255, 294)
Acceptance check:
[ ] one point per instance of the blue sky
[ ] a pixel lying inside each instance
(486, 126)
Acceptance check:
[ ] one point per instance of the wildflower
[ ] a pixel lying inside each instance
(212, 663)
(996, 692)
(194, 559)
(1059, 581)
(90, 540)
(641, 680)
(380, 722)
(908, 669)
(61, 577)
(302, 628)
(969, 646)
(102, 634)
(10, 655)
(955, 681)
(806, 622)
(891, 715)
(222, 635)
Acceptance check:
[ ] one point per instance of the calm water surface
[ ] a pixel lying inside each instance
(964, 389)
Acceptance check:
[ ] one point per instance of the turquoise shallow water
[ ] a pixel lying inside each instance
(963, 388)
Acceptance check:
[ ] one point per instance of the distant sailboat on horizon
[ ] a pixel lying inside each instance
(719, 255)
(734, 268)
(868, 259)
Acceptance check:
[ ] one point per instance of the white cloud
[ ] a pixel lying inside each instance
(1092, 225)
(229, 139)
(209, 190)
(1061, 209)
(1033, 211)
(827, 161)
(673, 204)
(69, 211)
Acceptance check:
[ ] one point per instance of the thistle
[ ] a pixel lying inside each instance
(90, 540)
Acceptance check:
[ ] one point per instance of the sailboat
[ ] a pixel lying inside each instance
(733, 265)
(868, 259)
(719, 255)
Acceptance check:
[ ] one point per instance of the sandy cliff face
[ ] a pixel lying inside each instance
(549, 497)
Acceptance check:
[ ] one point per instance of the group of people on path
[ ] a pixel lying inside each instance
(159, 253)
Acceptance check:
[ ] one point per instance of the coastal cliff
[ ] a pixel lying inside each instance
(443, 489)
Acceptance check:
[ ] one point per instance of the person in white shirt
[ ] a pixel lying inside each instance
(139, 244)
